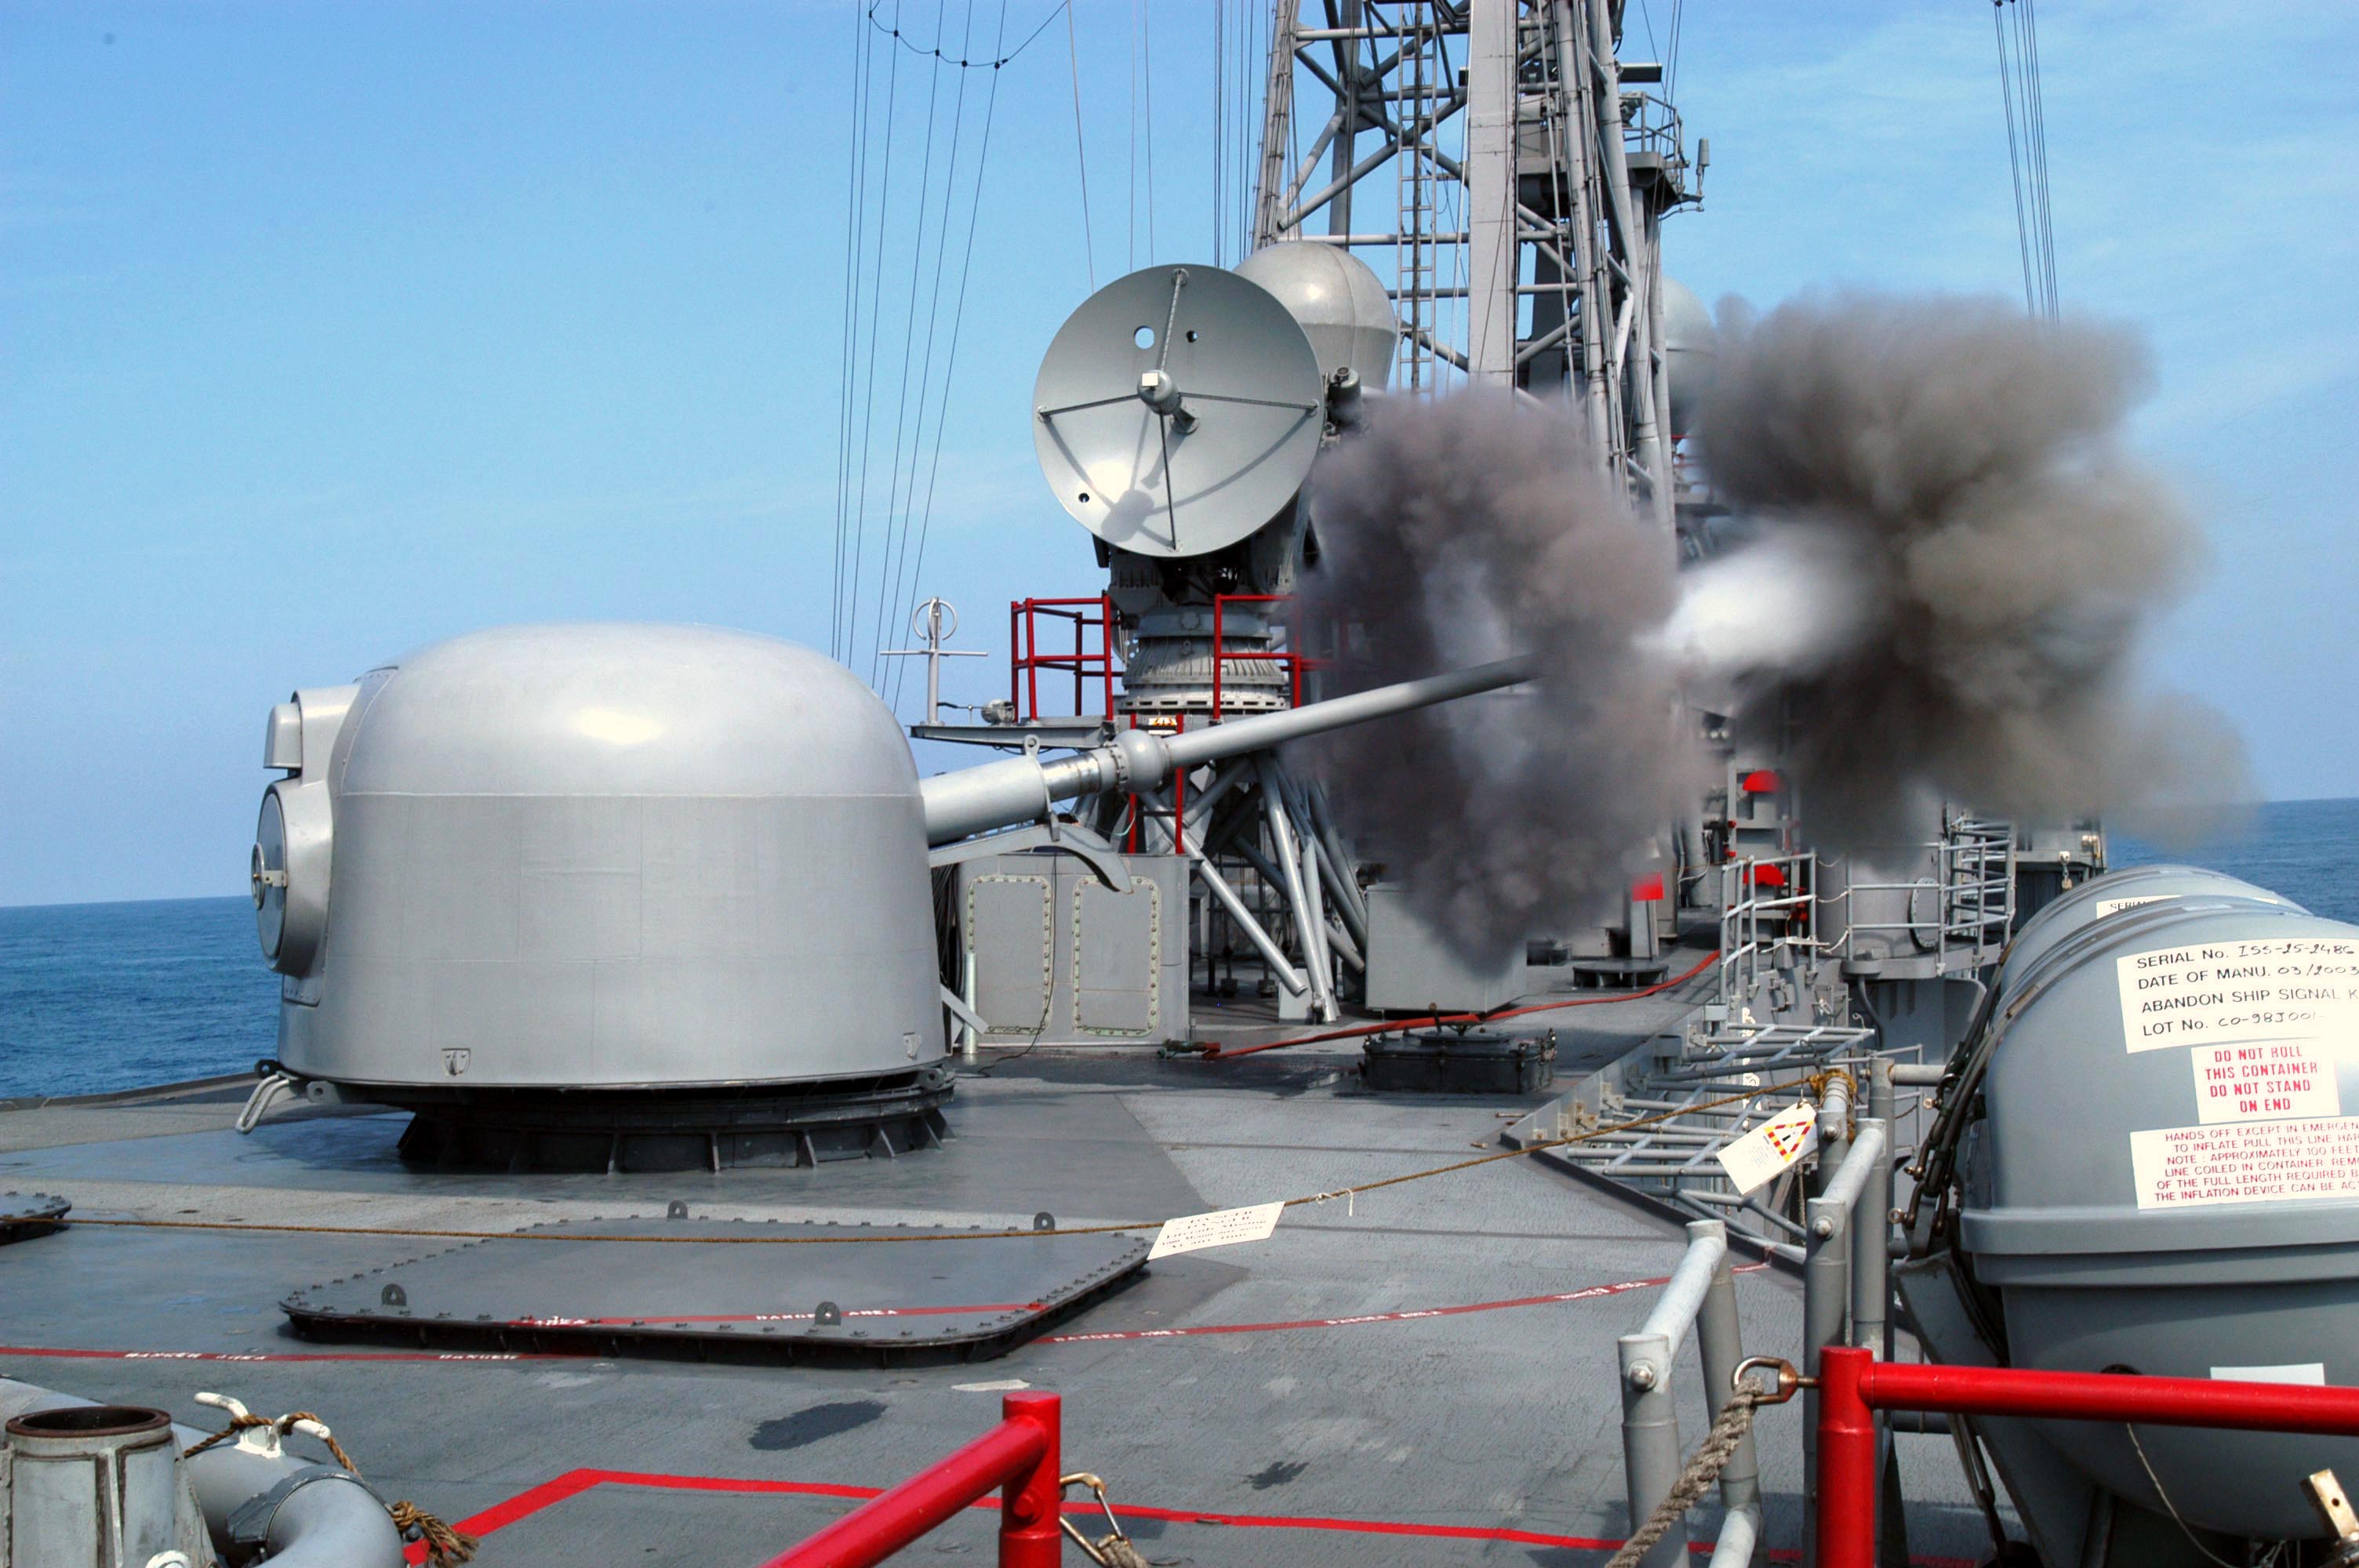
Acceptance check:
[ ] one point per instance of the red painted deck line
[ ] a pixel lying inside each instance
(1587, 1293)
(573, 1483)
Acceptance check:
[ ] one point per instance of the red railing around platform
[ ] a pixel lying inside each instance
(1025, 658)
(1018, 1458)
(1854, 1385)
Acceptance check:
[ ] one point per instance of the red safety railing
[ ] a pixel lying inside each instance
(1018, 1458)
(1853, 1385)
(1025, 658)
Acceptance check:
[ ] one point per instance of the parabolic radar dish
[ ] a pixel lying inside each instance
(1178, 410)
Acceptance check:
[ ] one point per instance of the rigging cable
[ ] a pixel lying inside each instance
(902, 496)
(1081, 153)
(856, 224)
(869, 269)
(1146, 85)
(868, 414)
(894, 502)
(1220, 134)
(2038, 100)
(2026, 150)
(1671, 66)
(962, 62)
(958, 320)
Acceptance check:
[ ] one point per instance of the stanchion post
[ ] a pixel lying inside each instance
(1826, 1295)
(1845, 1536)
(1719, 1345)
(1651, 1441)
(1031, 1502)
(1870, 1238)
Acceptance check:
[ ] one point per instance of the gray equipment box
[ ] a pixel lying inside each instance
(1474, 1063)
(1411, 969)
(1052, 955)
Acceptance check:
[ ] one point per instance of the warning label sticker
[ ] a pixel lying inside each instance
(1221, 1228)
(2263, 1081)
(1756, 1159)
(2271, 1162)
(2299, 987)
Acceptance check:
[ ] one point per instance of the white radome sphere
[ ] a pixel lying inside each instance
(1340, 302)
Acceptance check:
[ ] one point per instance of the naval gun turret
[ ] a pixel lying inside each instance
(628, 896)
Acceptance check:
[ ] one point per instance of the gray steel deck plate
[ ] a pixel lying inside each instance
(956, 1298)
(24, 1215)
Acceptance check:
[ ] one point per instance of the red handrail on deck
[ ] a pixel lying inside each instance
(1854, 1385)
(1019, 1456)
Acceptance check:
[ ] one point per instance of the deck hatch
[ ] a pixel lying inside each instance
(842, 1295)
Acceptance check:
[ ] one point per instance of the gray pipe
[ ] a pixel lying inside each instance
(1871, 1232)
(326, 1518)
(1022, 789)
(1682, 1298)
(1280, 970)
(1740, 1529)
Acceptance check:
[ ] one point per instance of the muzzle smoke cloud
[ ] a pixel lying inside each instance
(1466, 530)
(1960, 555)
(1942, 558)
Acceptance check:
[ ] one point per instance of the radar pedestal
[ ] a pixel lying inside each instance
(1177, 415)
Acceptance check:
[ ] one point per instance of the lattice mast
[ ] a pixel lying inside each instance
(1530, 171)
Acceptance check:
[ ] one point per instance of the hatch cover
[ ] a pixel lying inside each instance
(24, 1215)
(839, 1293)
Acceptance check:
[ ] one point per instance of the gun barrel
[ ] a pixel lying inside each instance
(1239, 736)
(1022, 789)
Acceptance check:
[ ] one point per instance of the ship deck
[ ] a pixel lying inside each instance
(1424, 1373)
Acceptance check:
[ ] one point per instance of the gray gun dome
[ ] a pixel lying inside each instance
(619, 856)
(2165, 1179)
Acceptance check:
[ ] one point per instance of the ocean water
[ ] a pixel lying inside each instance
(2306, 849)
(109, 995)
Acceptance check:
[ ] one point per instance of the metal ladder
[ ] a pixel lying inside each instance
(1417, 255)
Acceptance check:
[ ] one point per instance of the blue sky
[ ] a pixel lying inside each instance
(327, 331)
